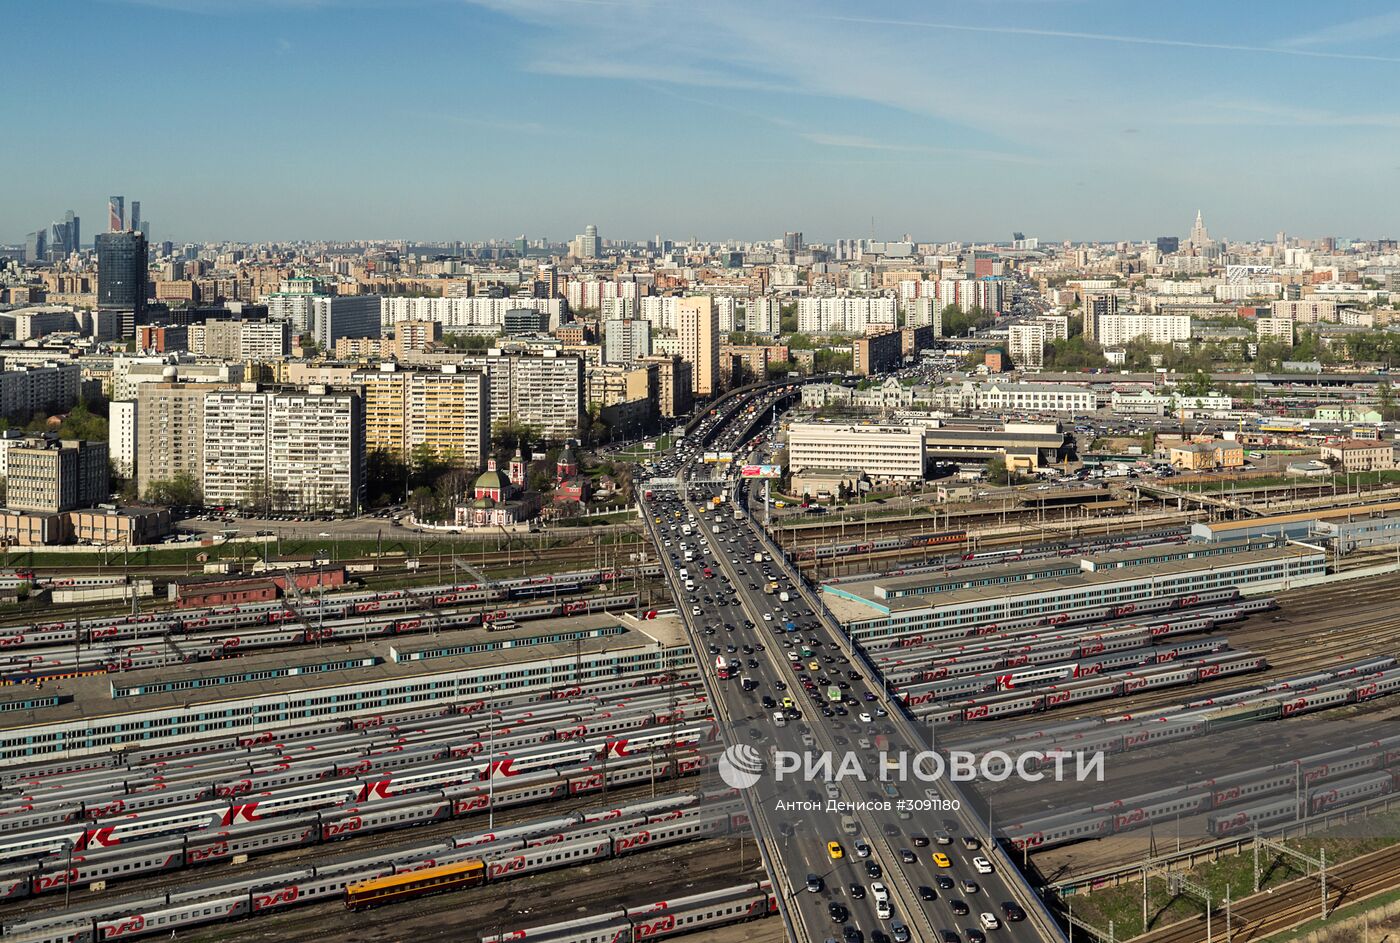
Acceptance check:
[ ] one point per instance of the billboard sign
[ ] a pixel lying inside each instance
(762, 471)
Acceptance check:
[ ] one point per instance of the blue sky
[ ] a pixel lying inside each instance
(470, 119)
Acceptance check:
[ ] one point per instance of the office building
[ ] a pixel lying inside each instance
(1359, 455)
(525, 321)
(625, 341)
(588, 245)
(884, 453)
(698, 329)
(284, 451)
(36, 247)
(52, 476)
(1168, 244)
(121, 278)
(116, 213)
(340, 316)
(1199, 238)
(792, 242)
(876, 353)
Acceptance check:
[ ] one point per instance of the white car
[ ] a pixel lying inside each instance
(988, 920)
(865, 717)
(982, 865)
(768, 617)
(879, 891)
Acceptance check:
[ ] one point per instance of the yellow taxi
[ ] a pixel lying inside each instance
(834, 849)
(940, 859)
(787, 702)
(813, 665)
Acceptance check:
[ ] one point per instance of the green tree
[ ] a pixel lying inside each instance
(999, 474)
(1076, 353)
(182, 490)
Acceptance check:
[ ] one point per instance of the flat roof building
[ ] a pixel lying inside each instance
(892, 453)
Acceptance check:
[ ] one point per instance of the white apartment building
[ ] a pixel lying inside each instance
(1306, 312)
(761, 315)
(844, 315)
(1279, 329)
(459, 315)
(1026, 345)
(542, 391)
(121, 436)
(1114, 330)
(924, 312)
(289, 451)
(889, 453)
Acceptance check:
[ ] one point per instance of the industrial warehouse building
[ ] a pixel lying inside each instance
(263, 692)
(868, 611)
(1299, 526)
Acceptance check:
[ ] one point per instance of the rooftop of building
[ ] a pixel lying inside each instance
(856, 601)
(90, 698)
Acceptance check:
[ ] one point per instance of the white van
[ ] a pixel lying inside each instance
(779, 719)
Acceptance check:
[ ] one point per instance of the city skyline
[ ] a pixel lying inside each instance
(717, 122)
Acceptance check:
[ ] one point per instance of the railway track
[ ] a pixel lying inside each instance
(364, 844)
(528, 901)
(1296, 902)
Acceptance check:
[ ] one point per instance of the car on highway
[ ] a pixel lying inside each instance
(927, 893)
(862, 850)
(943, 838)
(988, 920)
(1012, 911)
(907, 856)
(834, 849)
(941, 860)
(899, 931)
(982, 865)
(969, 886)
(975, 935)
(959, 906)
(857, 892)
(815, 884)
(838, 912)
(874, 871)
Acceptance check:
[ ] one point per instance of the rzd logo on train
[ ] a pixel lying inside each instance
(287, 895)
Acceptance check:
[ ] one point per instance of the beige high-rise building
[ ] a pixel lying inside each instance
(697, 324)
(415, 335)
(447, 411)
(672, 384)
(170, 431)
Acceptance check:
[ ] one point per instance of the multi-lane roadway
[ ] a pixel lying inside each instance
(904, 861)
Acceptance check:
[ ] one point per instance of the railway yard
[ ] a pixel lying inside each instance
(513, 753)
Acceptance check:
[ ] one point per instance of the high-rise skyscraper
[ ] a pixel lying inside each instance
(116, 213)
(121, 277)
(697, 323)
(36, 246)
(1199, 238)
(588, 245)
(792, 241)
(136, 215)
(75, 231)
